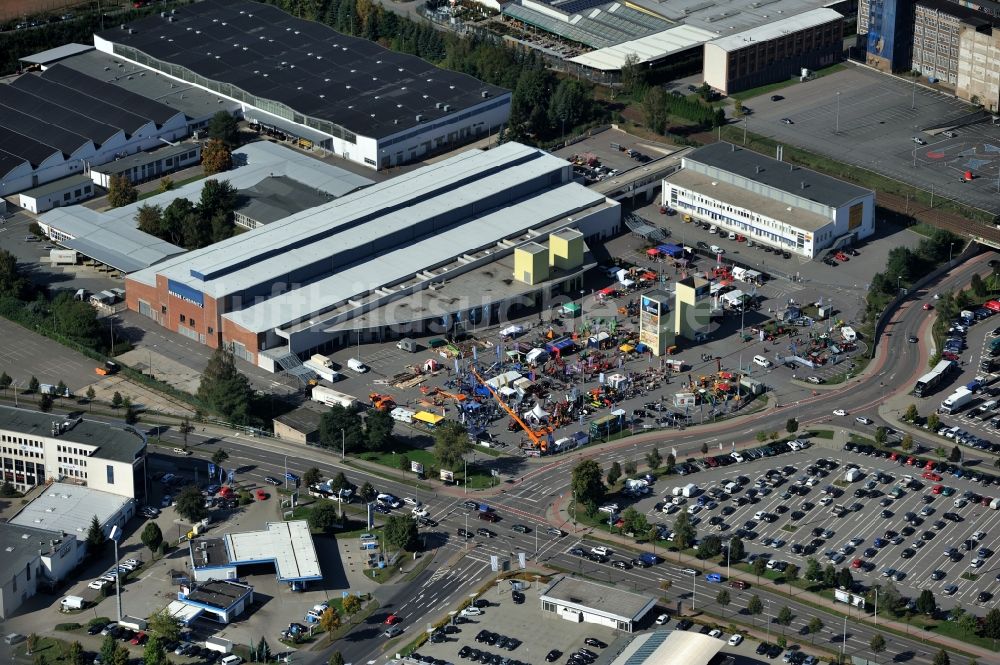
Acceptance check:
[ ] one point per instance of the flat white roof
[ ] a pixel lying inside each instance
(183, 612)
(647, 49)
(289, 545)
(670, 647)
(778, 29)
(69, 508)
(609, 601)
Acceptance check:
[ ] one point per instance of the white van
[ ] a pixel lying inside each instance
(231, 659)
(72, 603)
(762, 361)
(357, 366)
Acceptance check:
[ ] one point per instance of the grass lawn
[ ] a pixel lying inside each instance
(856, 438)
(772, 87)
(391, 458)
(177, 184)
(821, 434)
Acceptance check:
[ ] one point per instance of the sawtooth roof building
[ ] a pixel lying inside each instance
(411, 255)
(60, 122)
(345, 94)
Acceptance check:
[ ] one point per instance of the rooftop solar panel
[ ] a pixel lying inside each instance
(49, 112)
(35, 152)
(66, 141)
(330, 76)
(90, 106)
(91, 87)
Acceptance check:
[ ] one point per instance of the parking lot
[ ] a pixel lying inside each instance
(792, 519)
(878, 117)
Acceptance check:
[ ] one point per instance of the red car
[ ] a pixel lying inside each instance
(927, 305)
(857, 563)
(226, 492)
(930, 475)
(139, 639)
(937, 489)
(910, 461)
(948, 355)
(840, 256)
(392, 619)
(929, 466)
(261, 495)
(894, 457)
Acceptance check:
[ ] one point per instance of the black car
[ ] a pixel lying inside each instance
(464, 534)
(464, 652)
(482, 635)
(492, 638)
(96, 628)
(594, 642)
(451, 630)
(702, 245)
(517, 597)
(984, 596)
(520, 528)
(684, 624)
(763, 648)
(271, 480)
(553, 656)
(481, 603)
(577, 551)
(623, 565)
(512, 643)
(471, 505)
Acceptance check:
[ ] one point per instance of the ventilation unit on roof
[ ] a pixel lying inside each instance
(170, 18)
(438, 105)
(420, 118)
(348, 87)
(215, 20)
(322, 96)
(447, 108)
(122, 26)
(319, 57)
(485, 94)
(107, 69)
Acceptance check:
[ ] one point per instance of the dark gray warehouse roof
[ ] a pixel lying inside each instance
(91, 87)
(305, 65)
(63, 139)
(780, 175)
(9, 162)
(34, 152)
(52, 114)
(69, 98)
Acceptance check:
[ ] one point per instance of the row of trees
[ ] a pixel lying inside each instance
(904, 266)
(341, 427)
(190, 225)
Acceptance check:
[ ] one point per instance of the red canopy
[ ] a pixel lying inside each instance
(607, 292)
(652, 252)
(649, 275)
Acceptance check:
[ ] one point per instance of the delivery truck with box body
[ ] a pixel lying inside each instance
(332, 397)
(322, 371)
(957, 401)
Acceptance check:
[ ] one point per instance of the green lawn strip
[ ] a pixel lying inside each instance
(396, 478)
(772, 87)
(423, 562)
(857, 438)
(854, 174)
(390, 458)
(925, 230)
(821, 434)
(177, 185)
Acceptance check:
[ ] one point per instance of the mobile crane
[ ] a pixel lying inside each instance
(539, 437)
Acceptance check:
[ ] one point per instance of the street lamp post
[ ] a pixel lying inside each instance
(694, 579)
(843, 645)
(343, 445)
(767, 620)
(286, 472)
(950, 246)
(115, 535)
(837, 131)
(876, 607)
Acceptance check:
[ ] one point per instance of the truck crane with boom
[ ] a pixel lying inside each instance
(539, 437)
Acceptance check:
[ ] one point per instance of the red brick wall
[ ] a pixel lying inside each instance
(204, 317)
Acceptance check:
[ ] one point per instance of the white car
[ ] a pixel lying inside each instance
(410, 501)
(976, 563)
(840, 412)
(736, 456)
(715, 249)
(181, 451)
(735, 640)
(600, 550)
(662, 619)
(472, 612)
(97, 584)
(420, 511)
(694, 508)
(715, 633)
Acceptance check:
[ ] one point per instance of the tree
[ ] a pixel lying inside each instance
(759, 566)
(351, 604)
(33, 385)
(367, 492)
(977, 285)
(108, 646)
(339, 419)
(45, 403)
(7, 490)
(216, 157)
(614, 473)
(378, 430)
(844, 578)
(324, 517)
(216, 207)
(710, 546)
(166, 184)
(630, 516)
(955, 455)
(671, 463)
(704, 447)
(116, 400)
(754, 607)
(91, 394)
(911, 414)
(312, 476)
(401, 533)
(121, 191)
(881, 435)
(191, 504)
(933, 422)
(61, 389)
(336, 658)
(167, 626)
(815, 627)
(224, 388)
(684, 531)
(73, 654)
(907, 442)
(154, 653)
(813, 570)
(151, 536)
(941, 657)
(329, 620)
(149, 219)
(889, 596)
(791, 425)
(219, 456)
(451, 444)
(877, 645)
(829, 576)
(736, 549)
(926, 604)
(653, 459)
(655, 109)
(588, 489)
(570, 104)
(791, 573)
(262, 653)
(723, 599)
(991, 625)
(633, 75)
(225, 128)
(968, 623)
(5, 381)
(95, 536)
(120, 655)
(784, 617)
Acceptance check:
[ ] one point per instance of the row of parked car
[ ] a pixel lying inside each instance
(109, 577)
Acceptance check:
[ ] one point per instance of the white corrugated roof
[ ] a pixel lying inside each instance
(647, 49)
(777, 29)
(57, 53)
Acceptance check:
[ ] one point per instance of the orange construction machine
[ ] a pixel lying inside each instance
(539, 437)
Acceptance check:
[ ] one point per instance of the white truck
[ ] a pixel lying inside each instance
(322, 371)
(852, 475)
(849, 334)
(332, 397)
(690, 490)
(956, 401)
(71, 603)
(219, 644)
